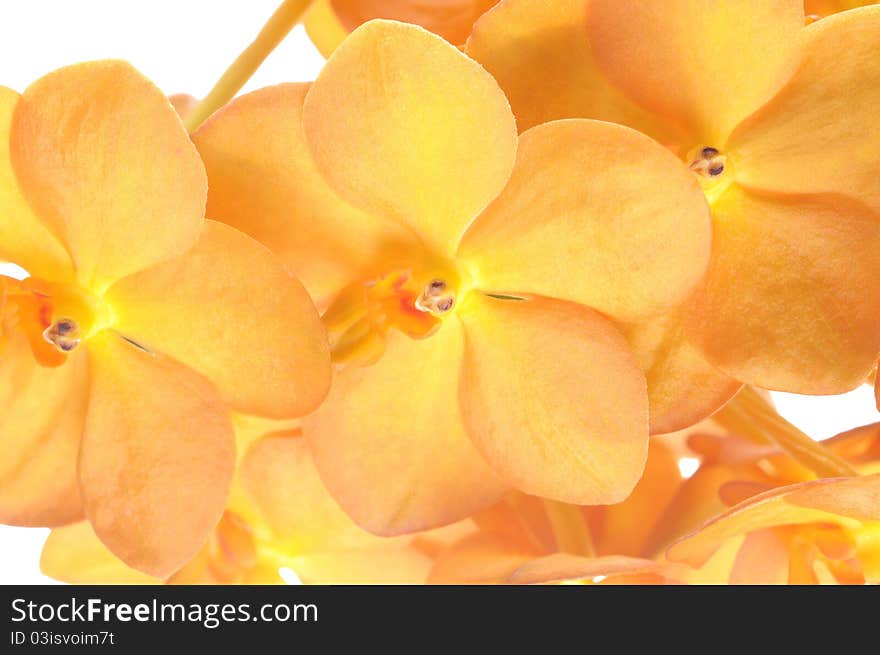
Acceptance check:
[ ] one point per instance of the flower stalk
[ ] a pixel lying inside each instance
(569, 528)
(751, 415)
(236, 76)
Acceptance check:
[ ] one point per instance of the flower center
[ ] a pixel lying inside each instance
(63, 334)
(436, 298)
(54, 318)
(712, 168)
(405, 300)
(707, 161)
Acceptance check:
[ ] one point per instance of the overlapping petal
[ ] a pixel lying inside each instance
(763, 558)
(229, 555)
(183, 103)
(480, 559)
(74, 554)
(683, 388)
(624, 527)
(818, 134)
(328, 22)
(485, 559)
(390, 444)
(859, 446)
(104, 161)
(405, 126)
(376, 566)
(562, 567)
(228, 309)
(541, 55)
(710, 64)
(451, 19)
(840, 501)
(24, 240)
(695, 501)
(157, 456)
(264, 182)
(791, 300)
(553, 398)
(42, 412)
(278, 474)
(858, 497)
(518, 519)
(868, 544)
(594, 213)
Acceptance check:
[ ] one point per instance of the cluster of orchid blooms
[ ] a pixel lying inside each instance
(455, 311)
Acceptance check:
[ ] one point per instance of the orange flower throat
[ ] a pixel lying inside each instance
(713, 169)
(359, 319)
(54, 318)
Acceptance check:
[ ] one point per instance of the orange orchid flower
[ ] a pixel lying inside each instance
(751, 467)
(467, 281)
(823, 531)
(736, 461)
(765, 538)
(279, 515)
(140, 323)
(328, 22)
(524, 540)
(776, 121)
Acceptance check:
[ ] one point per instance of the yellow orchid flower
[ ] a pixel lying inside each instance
(139, 324)
(471, 270)
(776, 121)
(328, 22)
(279, 515)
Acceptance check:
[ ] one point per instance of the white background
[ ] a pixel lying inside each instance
(184, 46)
